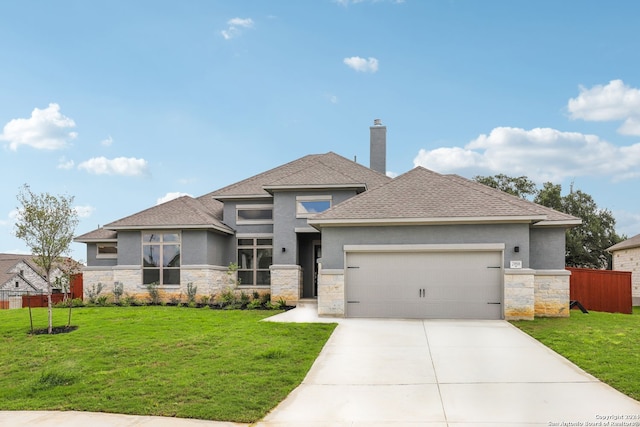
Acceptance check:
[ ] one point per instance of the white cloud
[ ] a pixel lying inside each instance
(235, 26)
(627, 222)
(392, 174)
(128, 166)
(107, 141)
(369, 65)
(63, 163)
(611, 102)
(170, 196)
(84, 211)
(542, 154)
(46, 129)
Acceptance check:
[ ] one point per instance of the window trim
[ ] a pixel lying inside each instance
(254, 208)
(108, 255)
(254, 246)
(162, 243)
(318, 198)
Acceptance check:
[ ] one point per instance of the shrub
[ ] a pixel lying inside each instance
(175, 299)
(94, 291)
(102, 301)
(118, 290)
(255, 305)
(244, 299)
(192, 290)
(154, 293)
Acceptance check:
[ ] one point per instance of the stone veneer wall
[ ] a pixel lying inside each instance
(629, 260)
(519, 295)
(286, 283)
(209, 280)
(331, 296)
(551, 292)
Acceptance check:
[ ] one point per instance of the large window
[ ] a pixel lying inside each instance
(255, 256)
(307, 206)
(161, 258)
(254, 214)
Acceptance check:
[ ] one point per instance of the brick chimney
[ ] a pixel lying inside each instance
(378, 147)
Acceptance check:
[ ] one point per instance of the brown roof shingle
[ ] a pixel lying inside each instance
(314, 169)
(633, 242)
(421, 194)
(183, 212)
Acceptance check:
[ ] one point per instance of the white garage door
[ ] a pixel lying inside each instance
(424, 285)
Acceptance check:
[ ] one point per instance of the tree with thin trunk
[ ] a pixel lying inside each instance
(46, 224)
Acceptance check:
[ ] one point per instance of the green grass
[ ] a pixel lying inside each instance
(606, 345)
(169, 361)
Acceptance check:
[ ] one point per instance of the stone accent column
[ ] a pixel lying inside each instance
(519, 298)
(286, 283)
(551, 291)
(331, 292)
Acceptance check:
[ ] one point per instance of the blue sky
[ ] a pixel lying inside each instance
(122, 104)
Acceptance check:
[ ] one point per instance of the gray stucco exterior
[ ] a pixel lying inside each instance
(335, 238)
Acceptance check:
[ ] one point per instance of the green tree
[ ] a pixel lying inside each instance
(519, 186)
(586, 244)
(46, 224)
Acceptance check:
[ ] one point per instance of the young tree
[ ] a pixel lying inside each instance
(46, 224)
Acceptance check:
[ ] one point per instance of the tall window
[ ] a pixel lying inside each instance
(161, 258)
(255, 256)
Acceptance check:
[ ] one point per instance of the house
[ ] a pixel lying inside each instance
(323, 227)
(626, 257)
(20, 274)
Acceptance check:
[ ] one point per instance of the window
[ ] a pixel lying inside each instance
(161, 258)
(307, 206)
(255, 256)
(254, 214)
(107, 250)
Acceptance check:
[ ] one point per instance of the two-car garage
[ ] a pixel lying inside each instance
(424, 281)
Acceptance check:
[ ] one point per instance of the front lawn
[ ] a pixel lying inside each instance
(185, 362)
(604, 344)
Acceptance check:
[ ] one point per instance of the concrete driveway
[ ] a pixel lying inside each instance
(445, 373)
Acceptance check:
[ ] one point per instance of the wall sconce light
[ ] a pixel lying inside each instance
(516, 249)
(284, 249)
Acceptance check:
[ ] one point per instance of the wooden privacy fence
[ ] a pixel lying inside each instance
(601, 290)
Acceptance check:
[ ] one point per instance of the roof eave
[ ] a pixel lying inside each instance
(357, 187)
(355, 222)
(568, 223)
(222, 198)
(171, 227)
(94, 240)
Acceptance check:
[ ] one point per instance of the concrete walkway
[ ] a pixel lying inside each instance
(415, 373)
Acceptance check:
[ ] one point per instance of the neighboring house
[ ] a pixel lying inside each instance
(626, 257)
(20, 274)
(422, 245)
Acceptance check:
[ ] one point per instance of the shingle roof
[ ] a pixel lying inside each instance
(183, 212)
(633, 242)
(100, 234)
(8, 261)
(424, 195)
(315, 169)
